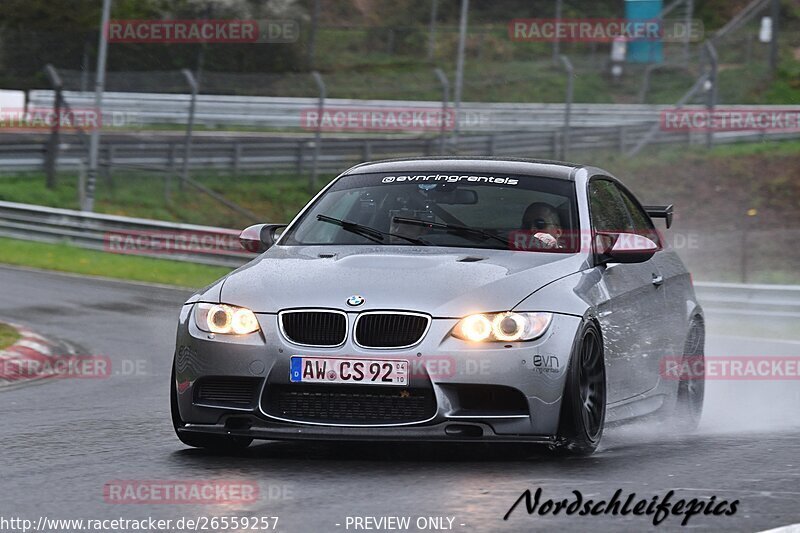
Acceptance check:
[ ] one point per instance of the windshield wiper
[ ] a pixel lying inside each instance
(454, 228)
(367, 232)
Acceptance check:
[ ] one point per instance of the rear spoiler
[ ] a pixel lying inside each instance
(660, 211)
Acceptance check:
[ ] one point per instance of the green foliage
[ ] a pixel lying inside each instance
(67, 258)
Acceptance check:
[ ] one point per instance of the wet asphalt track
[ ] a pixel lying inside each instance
(60, 441)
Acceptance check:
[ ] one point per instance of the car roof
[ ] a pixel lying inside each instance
(501, 165)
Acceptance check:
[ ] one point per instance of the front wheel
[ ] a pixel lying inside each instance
(221, 443)
(583, 404)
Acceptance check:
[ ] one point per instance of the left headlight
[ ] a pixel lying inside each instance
(502, 327)
(226, 319)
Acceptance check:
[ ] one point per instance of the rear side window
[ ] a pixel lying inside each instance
(642, 225)
(608, 211)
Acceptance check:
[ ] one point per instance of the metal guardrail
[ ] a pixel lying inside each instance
(283, 112)
(136, 236)
(744, 299)
(296, 154)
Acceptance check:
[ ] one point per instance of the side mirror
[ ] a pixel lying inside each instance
(260, 237)
(624, 247)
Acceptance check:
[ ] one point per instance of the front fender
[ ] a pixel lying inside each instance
(576, 294)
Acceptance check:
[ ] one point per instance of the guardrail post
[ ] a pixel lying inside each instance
(390, 43)
(367, 150)
(187, 146)
(312, 184)
(568, 104)
(109, 166)
(492, 143)
(429, 147)
(172, 163)
(621, 137)
(556, 145)
(300, 154)
(81, 183)
(445, 97)
(51, 160)
(237, 158)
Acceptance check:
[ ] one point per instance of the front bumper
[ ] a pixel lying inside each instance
(446, 366)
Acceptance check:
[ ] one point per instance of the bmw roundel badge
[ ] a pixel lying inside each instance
(355, 300)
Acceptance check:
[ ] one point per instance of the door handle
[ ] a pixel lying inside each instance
(658, 279)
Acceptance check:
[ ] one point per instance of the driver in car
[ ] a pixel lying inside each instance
(544, 222)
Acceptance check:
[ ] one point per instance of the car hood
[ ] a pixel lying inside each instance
(444, 282)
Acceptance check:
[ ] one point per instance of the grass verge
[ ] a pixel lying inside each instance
(8, 336)
(66, 258)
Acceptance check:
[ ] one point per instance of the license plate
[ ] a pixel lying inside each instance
(358, 371)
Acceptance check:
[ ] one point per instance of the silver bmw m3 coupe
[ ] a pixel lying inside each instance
(445, 299)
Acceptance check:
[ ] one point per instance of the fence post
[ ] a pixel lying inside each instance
(85, 66)
(556, 43)
(312, 184)
(445, 97)
(432, 31)
(568, 104)
(711, 101)
(687, 20)
(462, 37)
(51, 160)
(187, 145)
(99, 84)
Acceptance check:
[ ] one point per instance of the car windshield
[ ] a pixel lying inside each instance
(499, 211)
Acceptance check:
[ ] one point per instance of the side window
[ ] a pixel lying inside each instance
(608, 210)
(642, 225)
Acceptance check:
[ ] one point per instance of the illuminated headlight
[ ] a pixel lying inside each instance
(226, 319)
(502, 327)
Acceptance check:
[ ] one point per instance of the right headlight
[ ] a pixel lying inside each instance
(502, 327)
(225, 319)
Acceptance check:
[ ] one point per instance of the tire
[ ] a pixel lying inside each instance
(220, 443)
(583, 405)
(688, 409)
